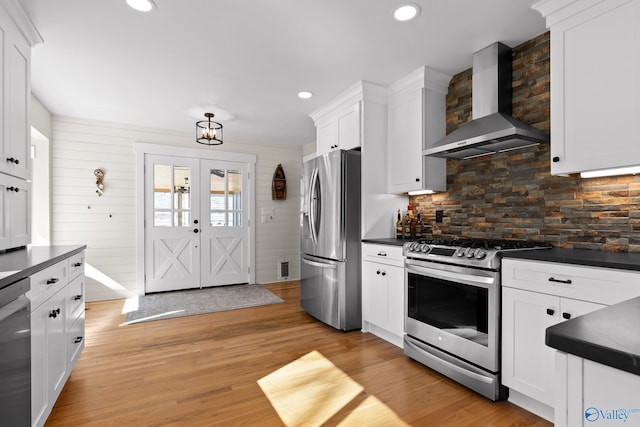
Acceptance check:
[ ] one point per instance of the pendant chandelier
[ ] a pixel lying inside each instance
(208, 132)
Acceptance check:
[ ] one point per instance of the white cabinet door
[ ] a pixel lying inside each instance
(595, 100)
(349, 127)
(395, 280)
(374, 294)
(326, 137)
(15, 212)
(527, 363)
(56, 344)
(340, 131)
(16, 95)
(405, 141)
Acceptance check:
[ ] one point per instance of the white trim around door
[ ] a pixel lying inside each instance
(205, 157)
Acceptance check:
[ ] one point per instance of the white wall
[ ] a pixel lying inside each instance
(107, 224)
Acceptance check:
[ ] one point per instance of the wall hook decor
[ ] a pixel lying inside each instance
(279, 184)
(99, 173)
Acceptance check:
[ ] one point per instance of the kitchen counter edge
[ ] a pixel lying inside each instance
(588, 257)
(605, 336)
(18, 264)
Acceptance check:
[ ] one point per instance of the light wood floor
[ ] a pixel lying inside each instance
(262, 366)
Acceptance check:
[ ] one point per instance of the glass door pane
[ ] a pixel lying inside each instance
(171, 196)
(225, 198)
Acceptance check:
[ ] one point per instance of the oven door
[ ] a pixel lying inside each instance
(455, 309)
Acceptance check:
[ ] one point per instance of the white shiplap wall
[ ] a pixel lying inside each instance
(107, 224)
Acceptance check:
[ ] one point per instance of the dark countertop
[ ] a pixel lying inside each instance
(18, 264)
(608, 336)
(592, 258)
(392, 241)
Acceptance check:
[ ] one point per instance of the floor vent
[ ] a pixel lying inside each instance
(283, 269)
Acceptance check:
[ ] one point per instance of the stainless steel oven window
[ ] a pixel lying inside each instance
(459, 309)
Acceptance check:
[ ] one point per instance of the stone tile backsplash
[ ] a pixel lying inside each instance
(513, 196)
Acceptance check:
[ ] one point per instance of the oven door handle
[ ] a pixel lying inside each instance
(450, 365)
(450, 275)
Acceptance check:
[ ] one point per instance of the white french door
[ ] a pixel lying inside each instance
(196, 223)
(225, 223)
(172, 209)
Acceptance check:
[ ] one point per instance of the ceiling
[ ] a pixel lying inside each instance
(246, 60)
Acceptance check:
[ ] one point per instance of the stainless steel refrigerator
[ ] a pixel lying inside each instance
(330, 268)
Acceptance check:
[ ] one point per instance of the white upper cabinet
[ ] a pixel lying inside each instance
(595, 95)
(417, 119)
(341, 124)
(17, 36)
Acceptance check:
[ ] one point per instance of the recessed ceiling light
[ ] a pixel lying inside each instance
(406, 12)
(305, 94)
(142, 5)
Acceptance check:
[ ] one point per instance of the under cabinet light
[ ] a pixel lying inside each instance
(611, 172)
(421, 192)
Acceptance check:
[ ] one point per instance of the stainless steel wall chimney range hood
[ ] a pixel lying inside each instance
(492, 129)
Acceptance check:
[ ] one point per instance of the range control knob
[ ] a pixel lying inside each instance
(481, 253)
(425, 248)
(460, 251)
(470, 252)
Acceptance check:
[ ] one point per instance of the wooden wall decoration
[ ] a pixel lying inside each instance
(279, 184)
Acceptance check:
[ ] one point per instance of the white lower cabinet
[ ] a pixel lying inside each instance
(57, 333)
(536, 295)
(592, 394)
(383, 292)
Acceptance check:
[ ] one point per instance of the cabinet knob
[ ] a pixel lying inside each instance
(378, 272)
(556, 159)
(195, 221)
(196, 231)
(381, 253)
(566, 315)
(11, 160)
(52, 280)
(551, 311)
(54, 313)
(384, 273)
(77, 264)
(417, 179)
(77, 297)
(10, 188)
(77, 340)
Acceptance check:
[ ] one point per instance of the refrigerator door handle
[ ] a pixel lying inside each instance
(319, 264)
(313, 210)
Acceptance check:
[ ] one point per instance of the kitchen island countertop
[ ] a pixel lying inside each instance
(607, 336)
(18, 264)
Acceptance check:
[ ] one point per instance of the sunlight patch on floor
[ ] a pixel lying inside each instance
(311, 390)
(372, 412)
(155, 316)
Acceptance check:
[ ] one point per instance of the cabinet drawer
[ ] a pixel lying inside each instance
(600, 285)
(386, 254)
(75, 299)
(75, 340)
(76, 265)
(47, 282)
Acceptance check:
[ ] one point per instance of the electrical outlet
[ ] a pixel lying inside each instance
(439, 215)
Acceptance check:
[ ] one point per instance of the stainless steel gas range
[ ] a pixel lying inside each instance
(452, 308)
